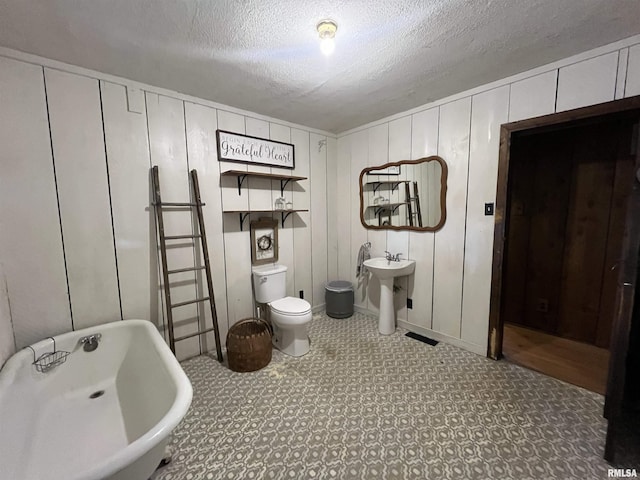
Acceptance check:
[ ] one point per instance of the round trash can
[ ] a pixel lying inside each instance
(339, 299)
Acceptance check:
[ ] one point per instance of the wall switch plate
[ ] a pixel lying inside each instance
(488, 208)
(409, 303)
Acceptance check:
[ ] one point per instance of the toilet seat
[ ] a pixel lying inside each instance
(291, 306)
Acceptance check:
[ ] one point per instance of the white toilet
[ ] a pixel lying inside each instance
(289, 316)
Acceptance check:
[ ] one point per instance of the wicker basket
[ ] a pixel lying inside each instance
(249, 345)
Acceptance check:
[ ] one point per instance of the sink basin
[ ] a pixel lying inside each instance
(386, 270)
(383, 268)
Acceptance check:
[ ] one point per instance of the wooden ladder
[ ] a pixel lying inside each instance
(411, 211)
(408, 199)
(197, 203)
(416, 199)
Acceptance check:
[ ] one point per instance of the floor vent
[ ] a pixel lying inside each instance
(422, 339)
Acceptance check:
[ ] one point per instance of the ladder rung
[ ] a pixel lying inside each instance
(178, 237)
(197, 300)
(201, 332)
(179, 204)
(189, 269)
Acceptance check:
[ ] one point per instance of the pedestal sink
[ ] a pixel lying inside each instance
(386, 270)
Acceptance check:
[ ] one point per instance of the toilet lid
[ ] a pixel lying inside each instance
(291, 305)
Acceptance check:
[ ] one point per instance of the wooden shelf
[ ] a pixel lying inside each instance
(394, 184)
(241, 175)
(284, 214)
(387, 206)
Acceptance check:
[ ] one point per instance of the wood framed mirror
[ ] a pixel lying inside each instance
(405, 195)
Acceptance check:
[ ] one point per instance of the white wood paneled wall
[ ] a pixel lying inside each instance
(399, 148)
(453, 146)
(588, 82)
(343, 180)
(424, 143)
(300, 196)
(7, 338)
(127, 150)
(201, 124)
(77, 139)
(632, 84)
(318, 174)
(167, 143)
(78, 239)
(360, 144)
(489, 110)
(335, 212)
(451, 286)
(30, 237)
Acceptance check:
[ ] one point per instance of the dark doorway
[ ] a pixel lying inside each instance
(567, 236)
(566, 208)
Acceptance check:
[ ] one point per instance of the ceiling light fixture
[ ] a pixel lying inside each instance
(327, 32)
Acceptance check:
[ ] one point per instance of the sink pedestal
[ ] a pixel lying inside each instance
(385, 271)
(387, 319)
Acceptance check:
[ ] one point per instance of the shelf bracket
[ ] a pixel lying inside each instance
(391, 209)
(376, 186)
(242, 218)
(240, 179)
(394, 186)
(283, 185)
(284, 216)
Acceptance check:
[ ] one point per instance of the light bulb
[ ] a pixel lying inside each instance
(327, 32)
(327, 46)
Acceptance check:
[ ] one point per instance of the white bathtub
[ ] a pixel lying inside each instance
(50, 428)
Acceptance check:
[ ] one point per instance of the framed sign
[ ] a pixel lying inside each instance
(233, 147)
(264, 241)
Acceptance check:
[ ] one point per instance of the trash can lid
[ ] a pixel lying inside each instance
(339, 286)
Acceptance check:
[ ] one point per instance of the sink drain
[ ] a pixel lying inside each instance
(97, 394)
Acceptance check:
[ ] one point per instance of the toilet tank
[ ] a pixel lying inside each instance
(269, 282)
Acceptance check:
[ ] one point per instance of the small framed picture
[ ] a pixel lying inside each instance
(264, 241)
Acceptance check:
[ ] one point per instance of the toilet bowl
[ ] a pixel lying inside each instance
(290, 316)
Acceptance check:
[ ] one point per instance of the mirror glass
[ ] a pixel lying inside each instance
(406, 195)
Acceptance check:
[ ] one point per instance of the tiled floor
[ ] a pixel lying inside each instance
(365, 406)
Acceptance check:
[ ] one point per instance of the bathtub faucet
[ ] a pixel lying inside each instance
(90, 342)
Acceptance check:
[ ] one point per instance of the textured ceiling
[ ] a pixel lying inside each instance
(263, 55)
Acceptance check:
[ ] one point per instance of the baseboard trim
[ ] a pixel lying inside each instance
(366, 311)
(318, 308)
(441, 337)
(427, 332)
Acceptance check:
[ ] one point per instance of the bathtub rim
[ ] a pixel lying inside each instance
(156, 434)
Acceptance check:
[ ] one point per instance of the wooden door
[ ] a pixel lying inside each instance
(626, 295)
(602, 169)
(628, 108)
(568, 191)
